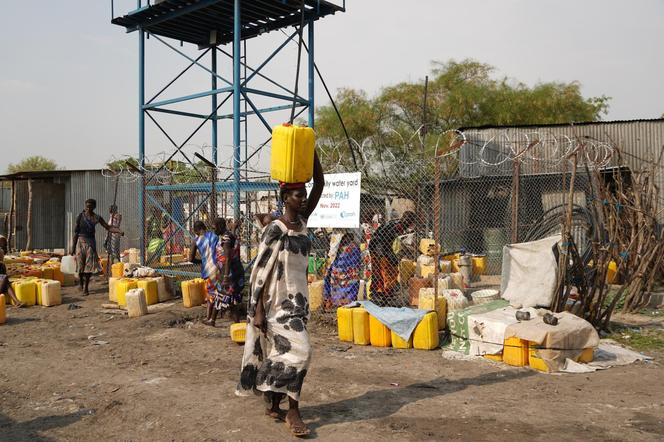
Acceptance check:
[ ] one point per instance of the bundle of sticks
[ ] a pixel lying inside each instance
(625, 207)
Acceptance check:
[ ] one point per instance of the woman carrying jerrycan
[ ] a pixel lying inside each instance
(277, 350)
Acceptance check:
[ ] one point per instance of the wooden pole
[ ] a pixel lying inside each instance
(213, 194)
(560, 298)
(436, 230)
(424, 111)
(28, 224)
(516, 192)
(516, 185)
(11, 230)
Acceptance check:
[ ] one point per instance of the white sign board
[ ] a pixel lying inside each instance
(339, 205)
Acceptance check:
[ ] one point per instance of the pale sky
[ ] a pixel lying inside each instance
(68, 83)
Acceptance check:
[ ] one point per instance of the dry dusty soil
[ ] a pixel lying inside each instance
(84, 375)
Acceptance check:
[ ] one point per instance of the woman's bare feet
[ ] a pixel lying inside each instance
(295, 423)
(274, 411)
(279, 415)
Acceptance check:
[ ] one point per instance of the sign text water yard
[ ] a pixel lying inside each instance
(339, 205)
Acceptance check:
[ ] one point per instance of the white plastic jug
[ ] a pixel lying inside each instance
(68, 264)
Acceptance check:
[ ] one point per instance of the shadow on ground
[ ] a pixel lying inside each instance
(383, 403)
(15, 320)
(11, 430)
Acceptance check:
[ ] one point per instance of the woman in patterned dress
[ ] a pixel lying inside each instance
(206, 245)
(342, 282)
(231, 275)
(277, 351)
(85, 244)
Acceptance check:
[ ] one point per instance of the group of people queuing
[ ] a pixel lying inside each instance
(277, 350)
(84, 249)
(385, 255)
(377, 263)
(163, 235)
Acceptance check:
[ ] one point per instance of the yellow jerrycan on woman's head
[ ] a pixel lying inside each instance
(292, 158)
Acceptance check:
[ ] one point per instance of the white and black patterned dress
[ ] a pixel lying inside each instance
(278, 361)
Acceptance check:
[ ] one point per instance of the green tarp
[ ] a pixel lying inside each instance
(457, 322)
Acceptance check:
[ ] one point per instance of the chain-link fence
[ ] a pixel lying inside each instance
(469, 193)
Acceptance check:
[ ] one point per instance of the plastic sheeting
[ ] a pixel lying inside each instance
(608, 354)
(529, 273)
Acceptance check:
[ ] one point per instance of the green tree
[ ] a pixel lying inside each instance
(459, 94)
(184, 173)
(32, 164)
(120, 165)
(181, 172)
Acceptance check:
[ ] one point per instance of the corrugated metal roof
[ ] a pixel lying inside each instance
(205, 22)
(640, 141)
(42, 174)
(579, 123)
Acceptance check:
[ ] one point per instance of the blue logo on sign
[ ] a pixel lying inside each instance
(347, 214)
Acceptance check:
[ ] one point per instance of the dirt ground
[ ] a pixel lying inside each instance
(85, 375)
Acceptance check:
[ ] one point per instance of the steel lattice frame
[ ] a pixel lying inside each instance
(208, 24)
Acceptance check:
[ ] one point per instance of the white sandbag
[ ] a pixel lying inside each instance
(144, 272)
(529, 273)
(445, 266)
(128, 269)
(486, 331)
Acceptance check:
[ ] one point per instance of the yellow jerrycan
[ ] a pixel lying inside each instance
(292, 159)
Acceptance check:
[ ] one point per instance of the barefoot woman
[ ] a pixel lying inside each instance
(85, 245)
(277, 350)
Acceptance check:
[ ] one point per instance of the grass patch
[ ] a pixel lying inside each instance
(612, 291)
(652, 313)
(641, 339)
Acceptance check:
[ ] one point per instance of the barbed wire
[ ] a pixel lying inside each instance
(117, 166)
(469, 148)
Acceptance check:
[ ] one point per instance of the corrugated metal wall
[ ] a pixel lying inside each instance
(639, 141)
(47, 214)
(5, 196)
(476, 213)
(57, 202)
